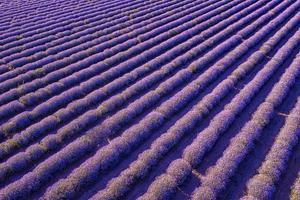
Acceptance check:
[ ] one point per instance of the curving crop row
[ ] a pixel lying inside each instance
(194, 152)
(81, 28)
(127, 140)
(54, 12)
(96, 45)
(295, 191)
(29, 30)
(126, 99)
(81, 65)
(96, 96)
(20, 122)
(147, 32)
(263, 184)
(150, 81)
(9, 13)
(63, 24)
(26, 18)
(132, 108)
(52, 45)
(218, 175)
(69, 29)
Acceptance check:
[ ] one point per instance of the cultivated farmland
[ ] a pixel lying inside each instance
(150, 99)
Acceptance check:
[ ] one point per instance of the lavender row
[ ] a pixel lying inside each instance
(37, 34)
(156, 30)
(88, 59)
(163, 186)
(262, 185)
(194, 152)
(149, 158)
(9, 6)
(295, 191)
(159, 75)
(177, 62)
(23, 41)
(10, 13)
(85, 39)
(81, 9)
(111, 104)
(218, 175)
(23, 8)
(53, 13)
(20, 47)
(50, 44)
(25, 20)
(127, 114)
(97, 49)
(25, 98)
(56, 49)
(159, 190)
(68, 20)
(79, 91)
(60, 63)
(82, 28)
(129, 139)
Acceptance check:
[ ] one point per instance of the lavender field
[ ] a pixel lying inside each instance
(150, 99)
